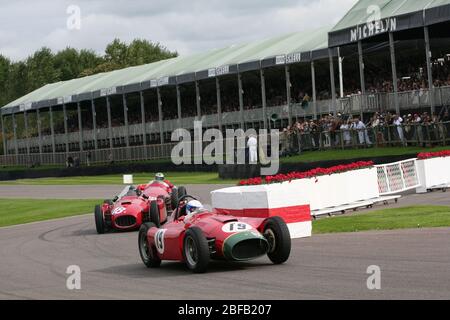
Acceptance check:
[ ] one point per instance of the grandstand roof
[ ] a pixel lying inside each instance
(294, 47)
(394, 15)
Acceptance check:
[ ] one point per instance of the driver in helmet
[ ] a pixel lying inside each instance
(161, 178)
(192, 208)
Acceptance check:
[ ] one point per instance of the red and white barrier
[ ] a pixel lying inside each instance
(265, 201)
(294, 200)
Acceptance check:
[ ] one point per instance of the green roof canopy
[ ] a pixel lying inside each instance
(294, 47)
(369, 18)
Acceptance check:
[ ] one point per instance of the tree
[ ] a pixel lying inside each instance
(5, 65)
(116, 53)
(67, 61)
(142, 52)
(41, 69)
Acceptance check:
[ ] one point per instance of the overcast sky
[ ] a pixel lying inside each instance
(186, 26)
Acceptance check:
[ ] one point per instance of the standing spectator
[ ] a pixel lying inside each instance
(418, 127)
(345, 128)
(252, 145)
(398, 123)
(362, 132)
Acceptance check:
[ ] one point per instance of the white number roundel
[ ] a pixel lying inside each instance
(118, 210)
(159, 240)
(232, 227)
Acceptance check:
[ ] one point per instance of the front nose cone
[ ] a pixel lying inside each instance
(245, 246)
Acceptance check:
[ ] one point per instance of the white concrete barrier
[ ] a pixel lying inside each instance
(433, 173)
(295, 200)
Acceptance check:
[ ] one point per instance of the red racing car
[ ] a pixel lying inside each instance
(197, 238)
(133, 206)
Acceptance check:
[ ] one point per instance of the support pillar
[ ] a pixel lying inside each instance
(263, 97)
(394, 72)
(16, 146)
(52, 132)
(362, 77)
(25, 120)
(429, 70)
(94, 124)
(160, 115)
(314, 90)
(66, 131)
(198, 99)
(241, 101)
(80, 127)
(333, 85)
(125, 117)
(110, 133)
(38, 121)
(219, 104)
(288, 93)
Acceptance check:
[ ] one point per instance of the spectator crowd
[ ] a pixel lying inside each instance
(382, 129)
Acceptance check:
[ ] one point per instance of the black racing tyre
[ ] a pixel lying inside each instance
(181, 192)
(174, 198)
(147, 253)
(154, 214)
(277, 234)
(196, 250)
(99, 220)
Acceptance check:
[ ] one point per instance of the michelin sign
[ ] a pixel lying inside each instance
(373, 28)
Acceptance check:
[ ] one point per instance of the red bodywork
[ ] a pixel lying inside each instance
(130, 211)
(168, 240)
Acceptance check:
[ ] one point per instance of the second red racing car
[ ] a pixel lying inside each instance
(134, 206)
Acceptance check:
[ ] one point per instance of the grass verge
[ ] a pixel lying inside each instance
(20, 211)
(177, 178)
(386, 219)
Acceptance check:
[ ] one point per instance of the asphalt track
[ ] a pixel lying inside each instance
(415, 264)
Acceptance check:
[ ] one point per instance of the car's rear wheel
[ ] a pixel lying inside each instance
(147, 252)
(196, 250)
(277, 235)
(99, 220)
(174, 198)
(154, 214)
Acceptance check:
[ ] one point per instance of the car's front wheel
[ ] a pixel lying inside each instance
(99, 220)
(154, 214)
(196, 250)
(147, 252)
(277, 235)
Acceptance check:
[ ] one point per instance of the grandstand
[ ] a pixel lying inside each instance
(370, 61)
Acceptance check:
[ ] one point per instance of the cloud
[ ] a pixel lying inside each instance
(184, 26)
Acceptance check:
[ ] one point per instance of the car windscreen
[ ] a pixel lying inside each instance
(124, 192)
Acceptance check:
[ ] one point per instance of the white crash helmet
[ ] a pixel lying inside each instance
(193, 206)
(159, 176)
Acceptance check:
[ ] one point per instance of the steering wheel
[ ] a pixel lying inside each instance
(183, 198)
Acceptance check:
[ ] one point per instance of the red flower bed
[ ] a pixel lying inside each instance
(308, 174)
(429, 155)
